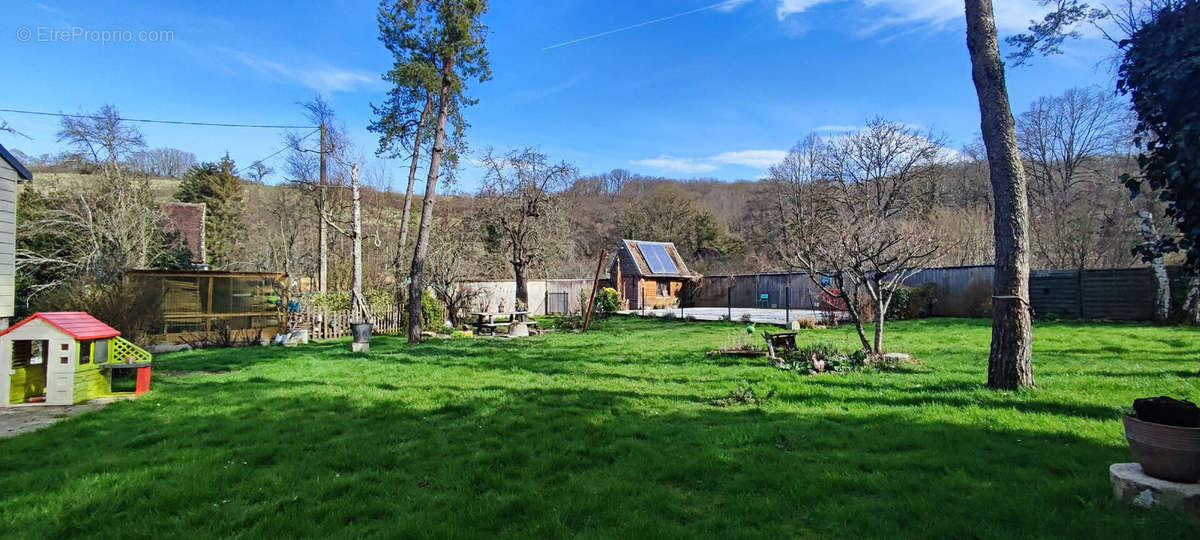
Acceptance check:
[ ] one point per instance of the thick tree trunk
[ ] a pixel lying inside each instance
(422, 248)
(406, 215)
(1162, 293)
(1010, 365)
(520, 271)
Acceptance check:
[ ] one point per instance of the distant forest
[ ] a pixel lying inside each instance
(264, 219)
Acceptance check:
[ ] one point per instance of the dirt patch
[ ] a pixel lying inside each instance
(23, 418)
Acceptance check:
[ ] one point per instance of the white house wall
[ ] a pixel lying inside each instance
(8, 230)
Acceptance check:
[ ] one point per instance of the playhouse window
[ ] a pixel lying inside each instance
(39, 352)
(22, 353)
(85, 352)
(664, 288)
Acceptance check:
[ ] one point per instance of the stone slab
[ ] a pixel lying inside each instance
(1132, 485)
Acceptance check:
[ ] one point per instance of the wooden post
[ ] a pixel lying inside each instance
(208, 311)
(587, 320)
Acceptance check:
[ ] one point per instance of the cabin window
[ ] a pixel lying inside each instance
(664, 288)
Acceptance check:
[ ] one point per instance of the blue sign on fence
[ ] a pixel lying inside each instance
(763, 296)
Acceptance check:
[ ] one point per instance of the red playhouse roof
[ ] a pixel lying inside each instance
(77, 323)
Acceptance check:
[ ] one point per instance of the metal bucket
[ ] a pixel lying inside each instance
(362, 332)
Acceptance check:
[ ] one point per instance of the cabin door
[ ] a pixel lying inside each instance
(630, 292)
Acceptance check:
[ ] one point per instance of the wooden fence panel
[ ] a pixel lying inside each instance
(1118, 294)
(336, 323)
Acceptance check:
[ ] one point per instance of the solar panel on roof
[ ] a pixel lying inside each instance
(660, 262)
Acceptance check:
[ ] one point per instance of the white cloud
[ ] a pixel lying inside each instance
(754, 159)
(323, 79)
(730, 5)
(840, 128)
(683, 165)
(889, 14)
(790, 7)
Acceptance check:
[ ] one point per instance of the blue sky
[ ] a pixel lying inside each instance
(710, 90)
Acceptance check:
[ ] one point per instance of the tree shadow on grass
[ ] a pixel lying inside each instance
(548, 463)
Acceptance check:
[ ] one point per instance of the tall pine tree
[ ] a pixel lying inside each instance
(222, 191)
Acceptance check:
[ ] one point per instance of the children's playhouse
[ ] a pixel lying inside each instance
(66, 357)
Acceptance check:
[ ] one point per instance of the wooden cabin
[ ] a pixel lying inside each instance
(648, 275)
(65, 357)
(11, 173)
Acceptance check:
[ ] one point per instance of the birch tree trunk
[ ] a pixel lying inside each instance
(1191, 304)
(322, 227)
(406, 215)
(1010, 364)
(422, 248)
(359, 311)
(1162, 292)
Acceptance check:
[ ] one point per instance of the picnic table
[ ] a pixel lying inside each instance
(489, 321)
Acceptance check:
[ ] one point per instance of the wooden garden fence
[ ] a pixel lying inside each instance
(331, 324)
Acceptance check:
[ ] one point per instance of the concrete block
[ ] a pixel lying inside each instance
(1132, 485)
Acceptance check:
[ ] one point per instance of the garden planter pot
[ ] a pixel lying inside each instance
(1166, 452)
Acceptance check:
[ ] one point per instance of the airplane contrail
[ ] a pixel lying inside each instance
(645, 23)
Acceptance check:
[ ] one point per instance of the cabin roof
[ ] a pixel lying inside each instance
(15, 164)
(632, 259)
(78, 324)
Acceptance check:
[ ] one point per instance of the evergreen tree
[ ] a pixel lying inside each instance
(222, 191)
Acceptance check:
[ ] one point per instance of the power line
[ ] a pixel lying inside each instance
(285, 147)
(149, 121)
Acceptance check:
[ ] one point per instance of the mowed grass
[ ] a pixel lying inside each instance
(609, 434)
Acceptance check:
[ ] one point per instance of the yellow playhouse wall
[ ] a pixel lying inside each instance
(26, 381)
(90, 380)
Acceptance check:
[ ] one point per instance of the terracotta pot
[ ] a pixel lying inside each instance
(1166, 452)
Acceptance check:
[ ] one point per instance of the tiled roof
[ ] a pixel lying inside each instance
(188, 220)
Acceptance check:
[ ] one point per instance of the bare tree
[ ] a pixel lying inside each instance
(1010, 364)
(102, 137)
(1067, 143)
(454, 257)
(519, 200)
(257, 171)
(856, 222)
(308, 172)
(167, 162)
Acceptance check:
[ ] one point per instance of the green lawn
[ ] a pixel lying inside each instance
(610, 434)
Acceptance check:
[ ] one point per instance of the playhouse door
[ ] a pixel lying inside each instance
(60, 371)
